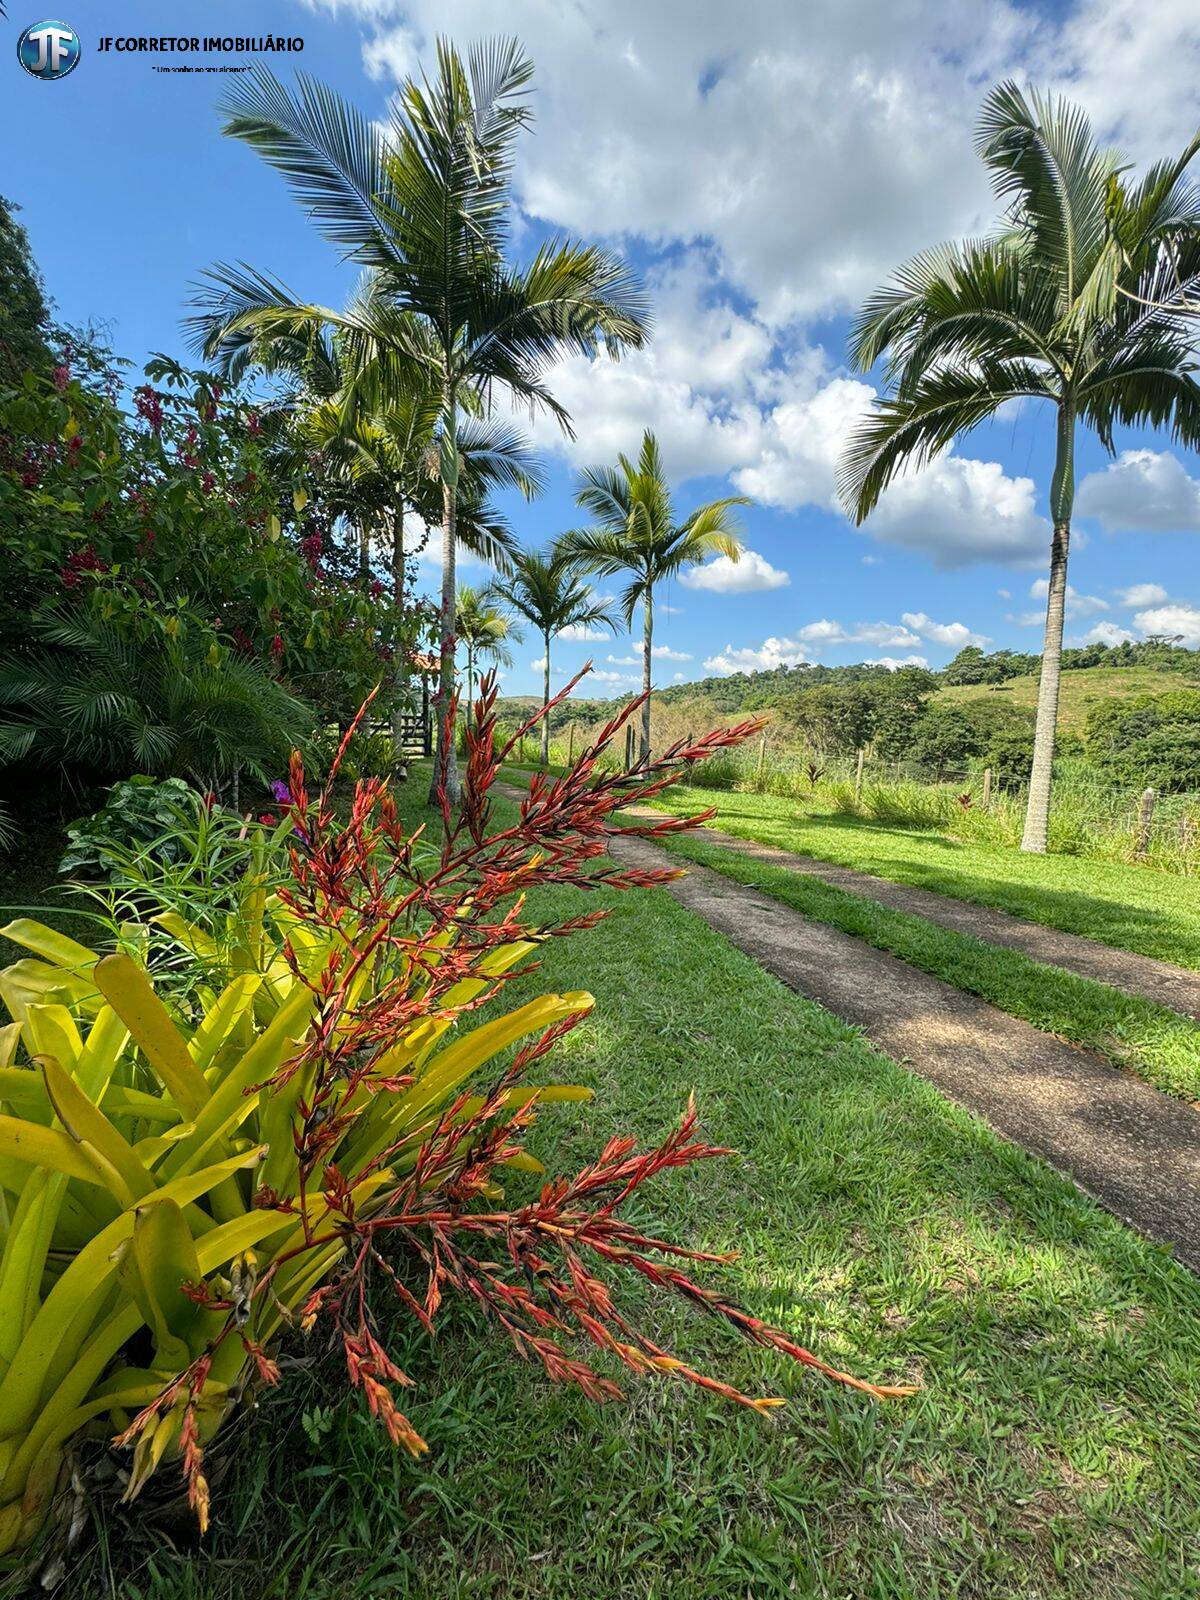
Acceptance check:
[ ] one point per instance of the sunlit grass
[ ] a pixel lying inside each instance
(1050, 1452)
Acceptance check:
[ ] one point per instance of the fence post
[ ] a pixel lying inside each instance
(762, 757)
(1145, 819)
(862, 753)
(987, 787)
(628, 746)
(570, 745)
(521, 750)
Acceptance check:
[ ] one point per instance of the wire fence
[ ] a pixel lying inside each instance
(976, 801)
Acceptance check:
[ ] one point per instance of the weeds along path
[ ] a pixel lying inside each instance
(1132, 1148)
(1159, 981)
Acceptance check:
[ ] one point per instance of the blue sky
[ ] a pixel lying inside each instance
(762, 174)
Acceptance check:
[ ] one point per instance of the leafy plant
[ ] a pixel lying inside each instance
(139, 816)
(337, 1124)
(91, 694)
(1072, 300)
(637, 533)
(424, 207)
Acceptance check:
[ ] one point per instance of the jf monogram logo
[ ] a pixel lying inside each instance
(49, 50)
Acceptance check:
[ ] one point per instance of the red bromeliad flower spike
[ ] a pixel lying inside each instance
(423, 922)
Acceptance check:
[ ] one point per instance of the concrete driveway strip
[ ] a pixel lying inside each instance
(1160, 981)
(1134, 1150)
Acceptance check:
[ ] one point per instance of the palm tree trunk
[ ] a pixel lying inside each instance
(445, 766)
(545, 703)
(398, 663)
(647, 641)
(1062, 497)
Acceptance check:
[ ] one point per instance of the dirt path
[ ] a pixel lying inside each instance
(1167, 985)
(1133, 1149)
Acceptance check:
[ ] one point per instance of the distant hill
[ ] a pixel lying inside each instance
(1080, 690)
(1090, 675)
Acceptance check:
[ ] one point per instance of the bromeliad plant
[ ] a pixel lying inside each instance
(337, 1124)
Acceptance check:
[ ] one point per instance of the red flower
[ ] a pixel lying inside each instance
(253, 425)
(277, 646)
(268, 818)
(149, 406)
(62, 377)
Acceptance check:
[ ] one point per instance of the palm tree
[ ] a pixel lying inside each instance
(1065, 304)
(425, 206)
(484, 629)
(550, 593)
(638, 533)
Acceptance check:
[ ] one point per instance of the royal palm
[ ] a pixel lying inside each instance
(1059, 306)
(551, 594)
(425, 205)
(483, 629)
(638, 533)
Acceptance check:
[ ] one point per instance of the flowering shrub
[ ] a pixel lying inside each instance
(338, 1125)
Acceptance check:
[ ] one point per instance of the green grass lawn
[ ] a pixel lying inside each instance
(1129, 907)
(1050, 1453)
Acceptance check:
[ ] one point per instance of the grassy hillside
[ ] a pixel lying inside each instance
(1081, 690)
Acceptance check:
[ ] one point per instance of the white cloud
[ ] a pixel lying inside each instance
(658, 652)
(770, 654)
(826, 632)
(1106, 633)
(1076, 605)
(601, 675)
(1143, 491)
(675, 123)
(892, 663)
(1182, 621)
(799, 443)
(959, 511)
(1142, 594)
(575, 634)
(952, 634)
(722, 575)
(1005, 594)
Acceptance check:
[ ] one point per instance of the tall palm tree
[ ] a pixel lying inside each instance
(638, 532)
(551, 594)
(1070, 303)
(484, 629)
(425, 204)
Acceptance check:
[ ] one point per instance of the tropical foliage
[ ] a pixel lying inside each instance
(1072, 302)
(423, 206)
(329, 1121)
(638, 534)
(548, 591)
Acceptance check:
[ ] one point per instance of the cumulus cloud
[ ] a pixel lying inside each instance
(1142, 594)
(1170, 622)
(722, 575)
(893, 663)
(1143, 491)
(770, 654)
(575, 633)
(1075, 605)
(826, 632)
(1106, 633)
(959, 511)
(952, 634)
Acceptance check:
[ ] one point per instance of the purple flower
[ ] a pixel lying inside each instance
(280, 791)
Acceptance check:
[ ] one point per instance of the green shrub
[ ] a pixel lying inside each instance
(139, 816)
